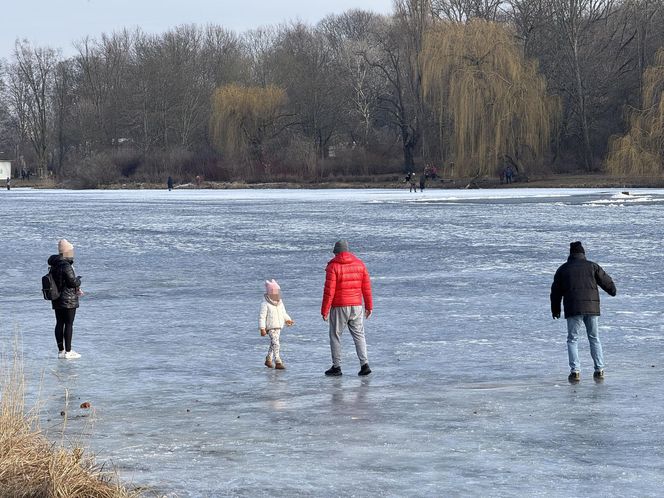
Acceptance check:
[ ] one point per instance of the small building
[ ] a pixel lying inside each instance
(5, 169)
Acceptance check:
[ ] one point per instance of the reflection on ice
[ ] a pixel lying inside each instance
(468, 395)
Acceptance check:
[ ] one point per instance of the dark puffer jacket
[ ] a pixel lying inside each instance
(66, 280)
(576, 284)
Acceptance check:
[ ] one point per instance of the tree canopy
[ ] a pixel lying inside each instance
(539, 84)
(640, 152)
(244, 117)
(489, 102)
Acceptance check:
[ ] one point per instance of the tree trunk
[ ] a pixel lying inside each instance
(587, 150)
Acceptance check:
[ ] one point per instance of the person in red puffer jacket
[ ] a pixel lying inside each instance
(347, 285)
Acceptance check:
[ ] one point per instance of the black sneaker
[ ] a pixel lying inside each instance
(333, 372)
(598, 375)
(574, 377)
(364, 370)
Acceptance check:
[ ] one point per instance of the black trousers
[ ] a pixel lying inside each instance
(64, 327)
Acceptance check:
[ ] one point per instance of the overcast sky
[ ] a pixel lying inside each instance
(58, 23)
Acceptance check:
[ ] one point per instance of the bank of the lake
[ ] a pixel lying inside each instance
(377, 182)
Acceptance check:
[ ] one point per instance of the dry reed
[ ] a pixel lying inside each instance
(30, 465)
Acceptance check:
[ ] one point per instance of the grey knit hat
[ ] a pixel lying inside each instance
(340, 246)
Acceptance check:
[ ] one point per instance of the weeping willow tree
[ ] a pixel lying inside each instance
(641, 151)
(491, 104)
(245, 118)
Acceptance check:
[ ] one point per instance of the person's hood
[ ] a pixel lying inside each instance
(344, 258)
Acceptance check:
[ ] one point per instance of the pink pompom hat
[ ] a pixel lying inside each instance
(272, 287)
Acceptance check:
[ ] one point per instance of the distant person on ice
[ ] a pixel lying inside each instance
(169, 183)
(509, 173)
(576, 284)
(411, 181)
(347, 284)
(65, 306)
(272, 318)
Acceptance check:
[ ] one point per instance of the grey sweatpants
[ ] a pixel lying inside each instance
(350, 316)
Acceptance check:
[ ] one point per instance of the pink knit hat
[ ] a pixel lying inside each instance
(66, 248)
(272, 287)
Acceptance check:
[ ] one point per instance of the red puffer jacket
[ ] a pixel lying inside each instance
(346, 283)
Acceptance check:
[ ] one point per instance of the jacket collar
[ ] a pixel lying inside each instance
(344, 258)
(273, 303)
(56, 259)
(577, 256)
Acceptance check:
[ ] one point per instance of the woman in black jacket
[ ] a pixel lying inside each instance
(65, 306)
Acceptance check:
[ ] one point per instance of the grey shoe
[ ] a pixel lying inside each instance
(598, 375)
(574, 377)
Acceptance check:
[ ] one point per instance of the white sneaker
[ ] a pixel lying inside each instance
(62, 355)
(72, 355)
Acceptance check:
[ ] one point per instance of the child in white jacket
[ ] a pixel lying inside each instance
(272, 318)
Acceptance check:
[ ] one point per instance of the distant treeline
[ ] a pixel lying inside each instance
(468, 86)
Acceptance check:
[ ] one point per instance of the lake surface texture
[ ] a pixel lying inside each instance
(468, 395)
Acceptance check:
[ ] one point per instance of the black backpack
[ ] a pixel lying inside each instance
(49, 287)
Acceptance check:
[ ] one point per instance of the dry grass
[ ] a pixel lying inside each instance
(30, 465)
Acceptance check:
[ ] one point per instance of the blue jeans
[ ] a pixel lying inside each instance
(574, 324)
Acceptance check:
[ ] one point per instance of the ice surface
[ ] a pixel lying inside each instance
(468, 395)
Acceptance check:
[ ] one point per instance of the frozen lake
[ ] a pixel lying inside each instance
(469, 393)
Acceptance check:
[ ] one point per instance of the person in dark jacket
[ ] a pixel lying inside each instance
(411, 181)
(576, 283)
(169, 183)
(65, 306)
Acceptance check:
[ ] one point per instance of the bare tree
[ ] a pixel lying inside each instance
(15, 102)
(260, 45)
(529, 18)
(574, 21)
(464, 10)
(394, 49)
(348, 35)
(63, 99)
(305, 66)
(33, 82)
(105, 86)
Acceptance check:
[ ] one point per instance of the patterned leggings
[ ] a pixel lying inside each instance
(274, 344)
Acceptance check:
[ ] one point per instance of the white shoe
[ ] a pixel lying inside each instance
(62, 355)
(72, 355)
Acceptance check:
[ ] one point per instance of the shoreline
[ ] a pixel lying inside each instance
(396, 183)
